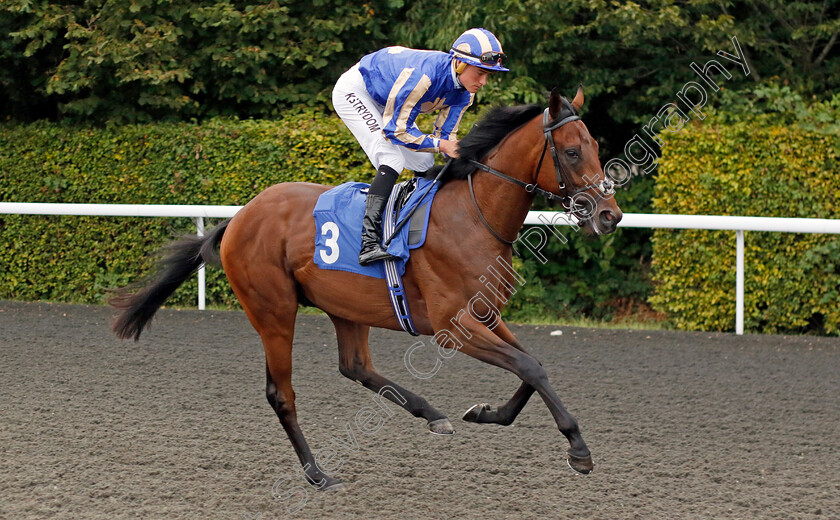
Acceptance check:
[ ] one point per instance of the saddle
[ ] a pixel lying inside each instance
(338, 238)
(419, 218)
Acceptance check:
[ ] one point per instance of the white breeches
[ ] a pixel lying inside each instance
(363, 116)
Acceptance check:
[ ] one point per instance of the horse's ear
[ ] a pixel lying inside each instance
(577, 102)
(555, 103)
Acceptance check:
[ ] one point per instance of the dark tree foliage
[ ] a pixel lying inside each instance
(94, 60)
(633, 56)
(140, 60)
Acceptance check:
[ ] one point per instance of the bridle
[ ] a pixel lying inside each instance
(564, 179)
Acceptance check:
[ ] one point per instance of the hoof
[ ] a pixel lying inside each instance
(475, 412)
(582, 465)
(441, 427)
(324, 482)
(336, 485)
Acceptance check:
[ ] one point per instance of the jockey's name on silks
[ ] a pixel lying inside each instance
(338, 228)
(420, 82)
(359, 106)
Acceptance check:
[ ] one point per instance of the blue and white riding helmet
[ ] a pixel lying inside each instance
(480, 48)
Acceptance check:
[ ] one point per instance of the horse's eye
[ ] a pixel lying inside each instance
(572, 154)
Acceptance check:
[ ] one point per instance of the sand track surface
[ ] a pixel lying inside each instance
(681, 425)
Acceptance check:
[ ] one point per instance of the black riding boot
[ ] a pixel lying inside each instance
(377, 198)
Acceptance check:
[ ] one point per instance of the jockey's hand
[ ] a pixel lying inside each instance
(449, 148)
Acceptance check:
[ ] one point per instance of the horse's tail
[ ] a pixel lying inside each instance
(181, 259)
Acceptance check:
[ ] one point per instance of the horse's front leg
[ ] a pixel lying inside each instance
(483, 413)
(486, 346)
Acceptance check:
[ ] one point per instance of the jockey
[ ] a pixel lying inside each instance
(380, 97)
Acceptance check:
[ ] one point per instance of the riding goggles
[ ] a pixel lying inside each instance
(487, 58)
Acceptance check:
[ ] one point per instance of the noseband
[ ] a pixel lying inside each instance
(564, 179)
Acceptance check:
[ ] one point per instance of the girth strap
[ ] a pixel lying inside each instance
(399, 300)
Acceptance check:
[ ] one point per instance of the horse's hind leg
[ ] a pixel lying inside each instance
(483, 413)
(355, 363)
(272, 308)
(281, 397)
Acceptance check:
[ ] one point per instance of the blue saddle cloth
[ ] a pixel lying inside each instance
(338, 220)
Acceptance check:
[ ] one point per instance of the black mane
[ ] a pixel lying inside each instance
(484, 136)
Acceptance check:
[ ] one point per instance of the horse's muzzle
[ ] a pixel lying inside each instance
(608, 220)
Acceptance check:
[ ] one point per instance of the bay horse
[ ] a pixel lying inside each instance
(267, 251)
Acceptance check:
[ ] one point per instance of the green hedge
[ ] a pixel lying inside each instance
(225, 162)
(750, 168)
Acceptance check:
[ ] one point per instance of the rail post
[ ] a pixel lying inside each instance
(199, 224)
(739, 282)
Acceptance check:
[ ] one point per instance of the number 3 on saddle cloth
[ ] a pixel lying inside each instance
(338, 238)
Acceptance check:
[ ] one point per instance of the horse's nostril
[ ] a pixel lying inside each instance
(609, 218)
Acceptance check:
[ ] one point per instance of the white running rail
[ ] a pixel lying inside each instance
(630, 220)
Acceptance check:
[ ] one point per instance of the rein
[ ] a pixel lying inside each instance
(563, 178)
(492, 231)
